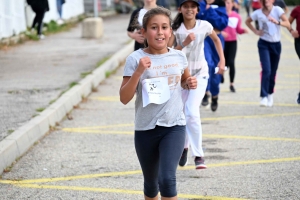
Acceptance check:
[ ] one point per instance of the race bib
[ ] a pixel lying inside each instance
(155, 90)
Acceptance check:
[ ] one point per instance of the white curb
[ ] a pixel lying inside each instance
(16, 144)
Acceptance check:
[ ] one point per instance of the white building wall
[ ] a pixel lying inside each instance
(16, 15)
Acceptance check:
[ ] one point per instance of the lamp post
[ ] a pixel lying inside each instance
(96, 8)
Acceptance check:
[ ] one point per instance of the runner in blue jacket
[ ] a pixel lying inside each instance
(213, 11)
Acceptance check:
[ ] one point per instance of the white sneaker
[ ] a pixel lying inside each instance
(264, 102)
(59, 21)
(41, 36)
(270, 100)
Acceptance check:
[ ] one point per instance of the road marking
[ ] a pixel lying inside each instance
(250, 137)
(125, 173)
(288, 37)
(106, 126)
(257, 103)
(250, 116)
(120, 191)
(292, 75)
(75, 130)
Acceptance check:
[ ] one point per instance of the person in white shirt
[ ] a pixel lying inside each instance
(189, 34)
(270, 19)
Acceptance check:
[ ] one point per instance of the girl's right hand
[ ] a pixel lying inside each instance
(191, 37)
(144, 64)
(137, 36)
(259, 32)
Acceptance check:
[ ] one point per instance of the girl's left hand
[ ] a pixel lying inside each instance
(271, 19)
(191, 82)
(221, 66)
(295, 33)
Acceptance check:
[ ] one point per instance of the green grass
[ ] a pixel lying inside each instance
(40, 109)
(84, 74)
(72, 84)
(103, 60)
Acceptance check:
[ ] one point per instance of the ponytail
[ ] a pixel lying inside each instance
(177, 21)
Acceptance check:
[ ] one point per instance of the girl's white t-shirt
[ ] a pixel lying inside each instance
(141, 16)
(271, 31)
(195, 50)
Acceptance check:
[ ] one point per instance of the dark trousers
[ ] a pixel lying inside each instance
(159, 151)
(229, 54)
(38, 19)
(297, 46)
(269, 55)
(212, 58)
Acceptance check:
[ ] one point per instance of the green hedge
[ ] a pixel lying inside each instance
(292, 2)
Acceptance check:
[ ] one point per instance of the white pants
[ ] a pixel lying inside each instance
(192, 100)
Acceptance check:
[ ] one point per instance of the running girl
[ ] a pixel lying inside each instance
(269, 18)
(156, 74)
(189, 34)
(230, 35)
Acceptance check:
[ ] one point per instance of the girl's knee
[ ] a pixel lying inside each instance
(167, 186)
(150, 189)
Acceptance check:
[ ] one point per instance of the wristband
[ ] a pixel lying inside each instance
(278, 23)
(181, 44)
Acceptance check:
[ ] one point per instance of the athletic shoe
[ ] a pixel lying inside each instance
(232, 89)
(214, 104)
(264, 102)
(183, 160)
(205, 100)
(270, 100)
(298, 100)
(199, 163)
(41, 37)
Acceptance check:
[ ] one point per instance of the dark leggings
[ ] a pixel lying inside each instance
(38, 19)
(229, 53)
(159, 151)
(297, 46)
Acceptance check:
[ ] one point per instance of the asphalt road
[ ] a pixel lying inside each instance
(251, 152)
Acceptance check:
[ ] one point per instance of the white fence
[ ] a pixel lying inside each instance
(16, 15)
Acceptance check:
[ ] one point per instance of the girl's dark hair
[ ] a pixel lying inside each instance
(179, 19)
(263, 3)
(151, 13)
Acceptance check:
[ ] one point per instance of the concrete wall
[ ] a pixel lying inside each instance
(16, 15)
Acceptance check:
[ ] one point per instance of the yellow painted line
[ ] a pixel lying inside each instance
(119, 191)
(69, 178)
(282, 56)
(118, 77)
(257, 103)
(125, 173)
(98, 131)
(77, 188)
(288, 37)
(250, 137)
(104, 126)
(204, 135)
(112, 98)
(277, 82)
(292, 75)
(256, 88)
(253, 162)
(250, 116)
